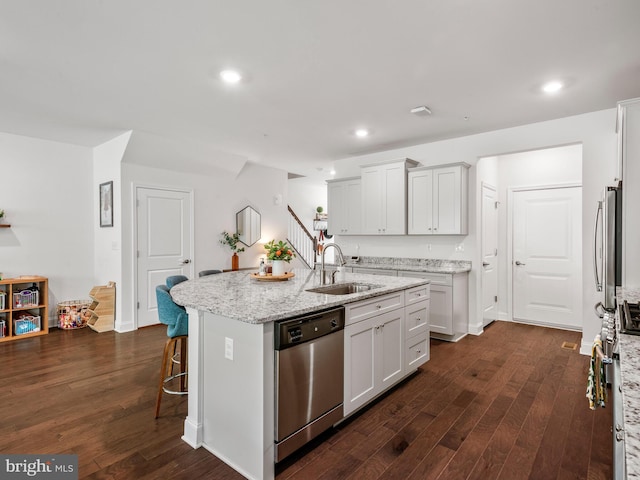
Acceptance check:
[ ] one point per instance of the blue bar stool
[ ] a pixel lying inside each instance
(177, 321)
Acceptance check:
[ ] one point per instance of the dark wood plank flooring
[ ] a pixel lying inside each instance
(508, 404)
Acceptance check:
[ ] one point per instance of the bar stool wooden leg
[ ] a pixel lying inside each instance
(166, 363)
(167, 369)
(183, 364)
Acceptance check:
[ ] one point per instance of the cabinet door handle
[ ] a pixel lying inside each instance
(519, 263)
(378, 307)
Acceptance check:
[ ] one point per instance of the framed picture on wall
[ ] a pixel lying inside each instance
(106, 204)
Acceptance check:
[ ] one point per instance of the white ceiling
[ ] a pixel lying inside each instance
(83, 71)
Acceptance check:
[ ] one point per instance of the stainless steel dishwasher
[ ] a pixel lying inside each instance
(309, 363)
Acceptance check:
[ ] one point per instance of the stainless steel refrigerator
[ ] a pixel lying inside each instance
(607, 251)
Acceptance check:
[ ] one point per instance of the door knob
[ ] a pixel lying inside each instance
(519, 263)
(186, 261)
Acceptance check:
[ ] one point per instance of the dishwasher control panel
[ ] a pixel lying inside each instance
(294, 331)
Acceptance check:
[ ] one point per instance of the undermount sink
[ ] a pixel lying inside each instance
(343, 288)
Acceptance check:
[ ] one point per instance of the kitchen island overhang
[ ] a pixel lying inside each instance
(231, 357)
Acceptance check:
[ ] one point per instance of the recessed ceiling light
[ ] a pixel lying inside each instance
(230, 76)
(552, 87)
(362, 132)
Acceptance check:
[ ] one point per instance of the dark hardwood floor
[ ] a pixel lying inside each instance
(509, 404)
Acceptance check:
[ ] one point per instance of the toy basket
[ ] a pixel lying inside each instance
(73, 314)
(26, 324)
(26, 298)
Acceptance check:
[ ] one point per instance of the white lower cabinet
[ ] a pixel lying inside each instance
(448, 304)
(373, 357)
(417, 351)
(381, 348)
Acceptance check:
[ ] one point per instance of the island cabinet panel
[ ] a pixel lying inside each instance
(386, 339)
(344, 200)
(391, 336)
(417, 318)
(360, 358)
(373, 357)
(374, 306)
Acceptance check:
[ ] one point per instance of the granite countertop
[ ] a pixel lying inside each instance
(427, 265)
(238, 296)
(629, 348)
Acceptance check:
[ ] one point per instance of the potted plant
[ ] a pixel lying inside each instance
(319, 211)
(231, 240)
(279, 253)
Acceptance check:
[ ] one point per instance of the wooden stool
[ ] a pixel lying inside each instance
(171, 359)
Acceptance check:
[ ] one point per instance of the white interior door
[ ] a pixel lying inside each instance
(547, 252)
(489, 254)
(164, 244)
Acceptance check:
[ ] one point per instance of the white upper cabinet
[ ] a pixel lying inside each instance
(384, 198)
(438, 200)
(344, 199)
(629, 153)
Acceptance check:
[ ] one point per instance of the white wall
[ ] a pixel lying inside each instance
(305, 195)
(595, 131)
(49, 191)
(107, 240)
(46, 191)
(217, 199)
(551, 166)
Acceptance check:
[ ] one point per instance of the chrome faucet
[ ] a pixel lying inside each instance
(323, 280)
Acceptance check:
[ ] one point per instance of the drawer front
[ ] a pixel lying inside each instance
(417, 351)
(374, 306)
(416, 319)
(436, 278)
(416, 294)
(376, 271)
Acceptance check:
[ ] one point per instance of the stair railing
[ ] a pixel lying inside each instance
(301, 240)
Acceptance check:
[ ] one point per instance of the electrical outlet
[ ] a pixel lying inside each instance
(228, 348)
(460, 247)
(428, 247)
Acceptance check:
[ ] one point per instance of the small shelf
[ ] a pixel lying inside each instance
(36, 313)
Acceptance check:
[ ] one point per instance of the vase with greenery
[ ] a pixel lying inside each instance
(231, 240)
(279, 253)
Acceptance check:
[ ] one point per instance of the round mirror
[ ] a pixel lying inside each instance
(248, 226)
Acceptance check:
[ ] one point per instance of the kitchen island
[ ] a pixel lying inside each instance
(231, 356)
